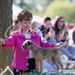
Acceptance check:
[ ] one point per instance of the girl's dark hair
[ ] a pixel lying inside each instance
(25, 15)
(47, 19)
(57, 30)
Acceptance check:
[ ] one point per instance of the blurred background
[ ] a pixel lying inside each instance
(50, 8)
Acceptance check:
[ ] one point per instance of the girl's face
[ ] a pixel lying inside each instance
(60, 23)
(25, 25)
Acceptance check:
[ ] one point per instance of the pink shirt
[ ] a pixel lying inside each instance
(20, 56)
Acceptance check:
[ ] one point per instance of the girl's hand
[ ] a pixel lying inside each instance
(47, 35)
(2, 41)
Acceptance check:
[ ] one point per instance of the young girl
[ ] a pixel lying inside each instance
(16, 39)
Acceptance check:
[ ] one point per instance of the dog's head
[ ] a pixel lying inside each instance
(27, 43)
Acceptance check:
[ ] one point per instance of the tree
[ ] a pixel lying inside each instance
(36, 6)
(63, 8)
(5, 22)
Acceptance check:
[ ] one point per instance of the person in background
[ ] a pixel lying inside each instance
(48, 35)
(51, 37)
(61, 34)
(46, 26)
(73, 35)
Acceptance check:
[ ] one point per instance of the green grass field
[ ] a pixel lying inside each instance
(39, 73)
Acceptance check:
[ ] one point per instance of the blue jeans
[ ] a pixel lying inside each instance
(64, 50)
(71, 49)
(48, 66)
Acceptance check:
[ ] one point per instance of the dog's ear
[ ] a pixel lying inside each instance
(24, 46)
(29, 43)
(26, 43)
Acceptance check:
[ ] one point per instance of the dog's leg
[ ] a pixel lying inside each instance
(57, 60)
(38, 66)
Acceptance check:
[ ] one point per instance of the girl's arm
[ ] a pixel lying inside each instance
(39, 41)
(2, 41)
(8, 42)
(47, 44)
(60, 36)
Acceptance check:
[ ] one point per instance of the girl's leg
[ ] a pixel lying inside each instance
(48, 65)
(63, 50)
(14, 71)
(67, 53)
(71, 49)
(21, 72)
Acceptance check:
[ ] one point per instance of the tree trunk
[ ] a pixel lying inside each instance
(5, 22)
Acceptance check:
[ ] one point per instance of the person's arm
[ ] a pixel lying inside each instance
(45, 44)
(52, 34)
(40, 42)
(48, 35)
(43, 41)
(63, 35)
(8, 42)
(59, 37)
(2, 41)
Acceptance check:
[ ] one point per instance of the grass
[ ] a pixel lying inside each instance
(40, 73)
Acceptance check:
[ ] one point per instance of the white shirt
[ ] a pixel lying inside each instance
(28, 36)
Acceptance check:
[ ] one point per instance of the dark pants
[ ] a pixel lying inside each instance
(31, 64)
(15, 71)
